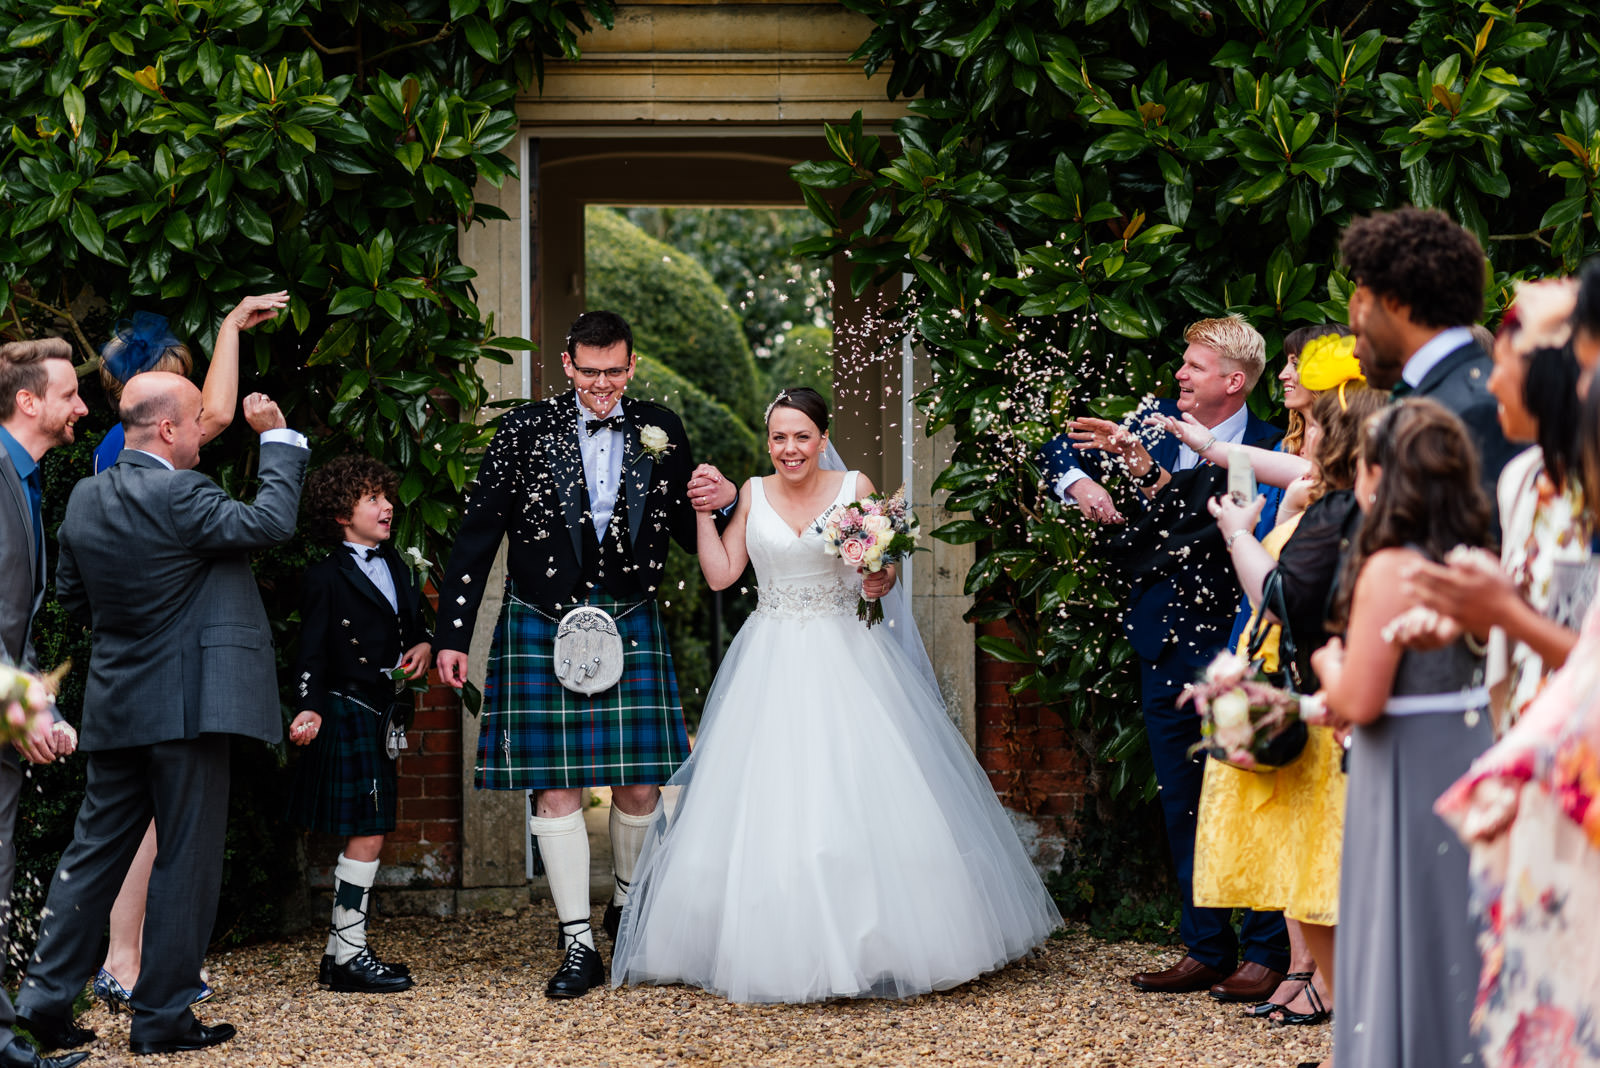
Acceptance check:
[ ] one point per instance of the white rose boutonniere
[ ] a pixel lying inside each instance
(419, 564)
(654, 441)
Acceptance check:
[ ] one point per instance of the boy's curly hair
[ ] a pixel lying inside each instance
(332, 490)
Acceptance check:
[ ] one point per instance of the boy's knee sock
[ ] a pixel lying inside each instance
(353, 881)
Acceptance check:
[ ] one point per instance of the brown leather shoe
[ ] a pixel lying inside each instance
(1252, 982)
(1184, 977)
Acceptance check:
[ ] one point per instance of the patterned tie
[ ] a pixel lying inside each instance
(610, 422)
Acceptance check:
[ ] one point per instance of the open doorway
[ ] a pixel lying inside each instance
(723, 315)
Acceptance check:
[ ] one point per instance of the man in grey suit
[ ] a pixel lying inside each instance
(155, 557)
(39, 404)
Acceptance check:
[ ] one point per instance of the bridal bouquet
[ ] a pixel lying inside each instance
(870, 534)
(26, 700)
(1245, 722)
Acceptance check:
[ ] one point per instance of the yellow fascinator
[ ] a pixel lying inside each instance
(1328, 362)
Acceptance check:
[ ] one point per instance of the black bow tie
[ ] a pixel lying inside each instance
(610, 422)
(364, 553)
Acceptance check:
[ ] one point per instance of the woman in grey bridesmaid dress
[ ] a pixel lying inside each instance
(1407, 966)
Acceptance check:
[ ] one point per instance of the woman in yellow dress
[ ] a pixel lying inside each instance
(1270, 840)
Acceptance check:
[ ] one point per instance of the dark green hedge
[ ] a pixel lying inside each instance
(678, 314)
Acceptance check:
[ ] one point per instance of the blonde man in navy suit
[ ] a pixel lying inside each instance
(361, 626)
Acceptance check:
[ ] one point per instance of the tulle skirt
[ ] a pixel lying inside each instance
(834, 836)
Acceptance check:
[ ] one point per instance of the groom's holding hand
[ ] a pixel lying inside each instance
(587, 487)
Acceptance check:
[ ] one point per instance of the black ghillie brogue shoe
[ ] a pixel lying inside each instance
(325, 970)
(366, 974)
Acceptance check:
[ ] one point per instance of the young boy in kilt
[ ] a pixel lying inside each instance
(361, 620)
(588, 489)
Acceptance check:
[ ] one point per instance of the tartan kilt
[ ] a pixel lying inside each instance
(538, 735)
(345, 782)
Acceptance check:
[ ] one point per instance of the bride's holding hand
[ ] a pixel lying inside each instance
(799, 492)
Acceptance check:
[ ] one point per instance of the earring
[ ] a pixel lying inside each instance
(1372, 498)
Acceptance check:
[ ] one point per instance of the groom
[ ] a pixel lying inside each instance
(587, 488)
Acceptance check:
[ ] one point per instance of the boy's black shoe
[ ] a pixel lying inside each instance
(366, 974)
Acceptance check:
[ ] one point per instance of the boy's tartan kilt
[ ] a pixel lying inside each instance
(538, 735)
(344, 783)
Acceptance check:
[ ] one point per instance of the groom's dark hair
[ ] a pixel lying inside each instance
(1422, 258)
(601, 329)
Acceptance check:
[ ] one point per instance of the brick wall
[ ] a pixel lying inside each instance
(1031, 760)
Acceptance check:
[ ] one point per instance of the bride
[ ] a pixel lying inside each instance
(834, 836)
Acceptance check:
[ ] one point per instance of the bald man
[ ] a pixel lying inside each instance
(155, 557)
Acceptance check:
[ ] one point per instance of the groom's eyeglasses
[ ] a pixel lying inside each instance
(615, 374)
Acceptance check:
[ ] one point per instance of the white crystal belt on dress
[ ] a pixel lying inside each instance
(1425, 704)
(807, 602)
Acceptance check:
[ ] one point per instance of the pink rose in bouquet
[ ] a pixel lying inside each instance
(868, 535)
(1245, 722)
(26, 700)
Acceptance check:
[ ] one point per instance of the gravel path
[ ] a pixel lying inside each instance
(480, 1000)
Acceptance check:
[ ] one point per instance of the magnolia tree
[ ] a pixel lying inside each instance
(172, 157)
(1077, 179)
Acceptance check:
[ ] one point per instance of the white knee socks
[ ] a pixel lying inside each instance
(564, 848)
(627, 839)
(348, 935)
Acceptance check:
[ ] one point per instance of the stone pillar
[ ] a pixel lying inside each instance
(494, 829)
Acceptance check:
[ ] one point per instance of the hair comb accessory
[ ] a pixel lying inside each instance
(1328, 362)
(138, 344)
(782, 397)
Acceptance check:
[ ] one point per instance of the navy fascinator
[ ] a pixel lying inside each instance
(138, 344)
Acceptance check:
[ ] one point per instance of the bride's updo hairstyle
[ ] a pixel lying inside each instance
(808, 402)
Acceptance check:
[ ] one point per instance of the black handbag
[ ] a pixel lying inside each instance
(1289, 743)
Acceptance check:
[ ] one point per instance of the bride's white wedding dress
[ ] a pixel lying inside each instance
(834, 836)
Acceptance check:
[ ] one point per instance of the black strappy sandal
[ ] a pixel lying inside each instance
(1267, 1008)
(1318, 1014)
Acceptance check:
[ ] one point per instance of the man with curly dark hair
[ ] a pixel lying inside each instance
(1419, 289)
(361, 641)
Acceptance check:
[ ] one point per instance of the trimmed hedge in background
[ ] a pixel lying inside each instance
(678, 314)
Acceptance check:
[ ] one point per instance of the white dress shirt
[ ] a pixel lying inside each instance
(602, 466)
(281, 434)
(376, 570)
(1229, 431)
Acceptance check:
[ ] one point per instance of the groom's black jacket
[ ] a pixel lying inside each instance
(531, 491)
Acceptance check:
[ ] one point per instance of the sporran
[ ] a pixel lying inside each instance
(587, 655)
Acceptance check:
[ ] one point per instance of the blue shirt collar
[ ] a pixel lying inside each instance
(21, 457)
